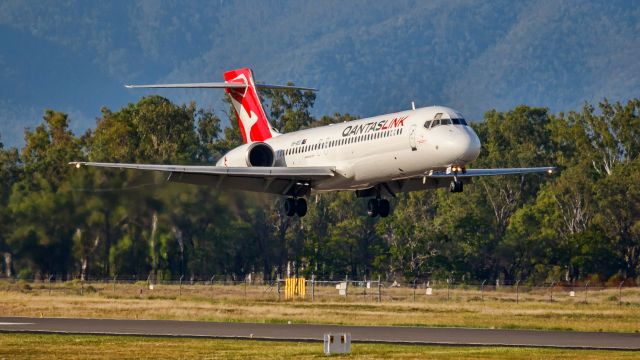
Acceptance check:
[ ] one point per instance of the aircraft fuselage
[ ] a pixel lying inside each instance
(369, 151)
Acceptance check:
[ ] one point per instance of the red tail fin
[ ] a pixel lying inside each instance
(251, 116)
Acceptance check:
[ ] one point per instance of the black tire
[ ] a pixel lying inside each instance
(455, 186)
(384, 208)
(290, 206)
(372, 207)
(301, 207)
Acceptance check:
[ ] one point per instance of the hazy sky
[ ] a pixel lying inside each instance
(365, 57)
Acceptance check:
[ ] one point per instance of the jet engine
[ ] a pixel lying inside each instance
(260, 154)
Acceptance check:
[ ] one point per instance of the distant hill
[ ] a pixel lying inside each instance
(365, 57)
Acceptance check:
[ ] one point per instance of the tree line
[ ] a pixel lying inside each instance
(583, 223)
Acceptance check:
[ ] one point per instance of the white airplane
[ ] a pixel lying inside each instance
(380, 156)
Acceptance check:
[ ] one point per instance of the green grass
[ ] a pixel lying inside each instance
(38, 346)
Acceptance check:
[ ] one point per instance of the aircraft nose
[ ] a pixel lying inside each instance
(463, 145)
(473, 146)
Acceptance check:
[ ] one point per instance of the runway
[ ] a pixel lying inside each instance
(306, 332)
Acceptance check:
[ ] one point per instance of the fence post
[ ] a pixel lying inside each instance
(346, 288)
(50, 277)
(551, 291)
(379, 290)
(115, 277)
(278, 286)
(482, 290)
(180, 288)
(364, 293)
(313, 287)
(517, 288)
(586, 289)
(81, 287)
(245, 288)
(620, 293)
(448, 296)
(414, 290)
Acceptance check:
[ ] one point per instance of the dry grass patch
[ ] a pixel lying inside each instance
(229, 304)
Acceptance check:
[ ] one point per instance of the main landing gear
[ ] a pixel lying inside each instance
(377, 207)
(295, 206)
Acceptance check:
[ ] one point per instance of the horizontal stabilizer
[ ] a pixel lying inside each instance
(214, 85)
(217, 85)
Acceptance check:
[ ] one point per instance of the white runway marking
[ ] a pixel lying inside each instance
(8, 323)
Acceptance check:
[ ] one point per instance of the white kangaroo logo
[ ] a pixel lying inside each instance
(248, 119)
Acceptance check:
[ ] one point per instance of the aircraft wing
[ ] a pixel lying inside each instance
(273, 180)
(493, 172)
(433, 180)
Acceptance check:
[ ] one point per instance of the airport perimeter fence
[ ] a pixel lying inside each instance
(347, 290)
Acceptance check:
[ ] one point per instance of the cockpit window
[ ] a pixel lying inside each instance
(459, 121)
(438, 120)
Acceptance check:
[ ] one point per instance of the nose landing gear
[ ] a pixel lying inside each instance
(377, 207)
(456, 186)
(295, 206)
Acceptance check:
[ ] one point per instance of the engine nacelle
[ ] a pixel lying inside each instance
(260, 154)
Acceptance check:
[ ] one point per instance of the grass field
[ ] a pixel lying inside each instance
(36, 346)
(229, 304)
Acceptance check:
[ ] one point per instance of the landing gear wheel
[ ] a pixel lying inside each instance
(301, 207)
(455, 186)
(372, 207)
(290, 206)
(384, 208)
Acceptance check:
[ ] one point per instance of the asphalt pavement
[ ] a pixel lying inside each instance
(307, 332)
